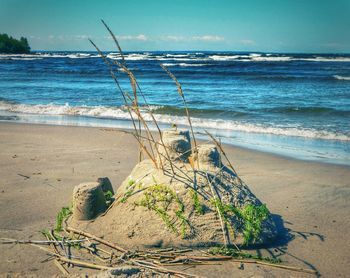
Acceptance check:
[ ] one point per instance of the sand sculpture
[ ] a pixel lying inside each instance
(180, 194)
(193, 200)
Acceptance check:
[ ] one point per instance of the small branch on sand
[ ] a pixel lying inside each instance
(24, 176)
(98, 239)
(41, 242)
(59, 265)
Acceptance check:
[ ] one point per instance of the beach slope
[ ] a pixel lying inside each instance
(40, 165)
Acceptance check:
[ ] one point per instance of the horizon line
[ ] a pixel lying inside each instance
(198, 50)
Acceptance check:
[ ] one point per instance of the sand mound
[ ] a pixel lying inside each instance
(195, 200)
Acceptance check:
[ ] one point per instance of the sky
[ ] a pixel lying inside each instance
(312, 26)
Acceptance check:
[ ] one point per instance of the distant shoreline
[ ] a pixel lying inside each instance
(195, 50)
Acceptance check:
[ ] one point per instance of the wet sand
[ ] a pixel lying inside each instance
(41, 164)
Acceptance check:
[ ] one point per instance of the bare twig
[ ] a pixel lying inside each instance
(179, 89)
(223, 226)
(105, 242)
(40, 242)
(115, 40)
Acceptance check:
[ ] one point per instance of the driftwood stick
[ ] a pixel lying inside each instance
(61, 267)
(162, 269)
(56, 262)
(84, 264)
(105, 242)
(287, 267)
(201, 258)
(229, 258)
(40, 242)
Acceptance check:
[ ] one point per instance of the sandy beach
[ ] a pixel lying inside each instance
(41, 164)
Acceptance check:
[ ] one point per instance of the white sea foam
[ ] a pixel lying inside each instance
(339, 77)
(133, 56)
(271, 59)
(184, 65)
(161, 58)
(255, 57)
(274, 58)
(226, 57)
(176, 55)
(26, 58)
(199, 123)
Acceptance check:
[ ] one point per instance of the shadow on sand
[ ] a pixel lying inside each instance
(285, 235)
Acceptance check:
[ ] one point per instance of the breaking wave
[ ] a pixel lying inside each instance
(121, 113)
(339, 77)
(182, 57)
(184, 65)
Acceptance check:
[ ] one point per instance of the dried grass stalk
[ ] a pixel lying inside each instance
(182, 95)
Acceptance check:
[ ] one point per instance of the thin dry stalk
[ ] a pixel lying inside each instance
(161, 155)
(162, 269)
(84, 264)
(287, 267)
(135, 84)
(217, 143)
(40, 242)
(149, 137)
(88, 235)
(146, 151)
(179, 89)
(59, 265)
(115, 40)
(223, 226)
(229, 258)
(117, 83)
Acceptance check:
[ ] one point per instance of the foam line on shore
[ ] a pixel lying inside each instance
(200, 123)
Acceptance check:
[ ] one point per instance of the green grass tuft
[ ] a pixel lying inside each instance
(250, 216)
(63, 214)
(129, 191)
(198, 207)
(158, 198)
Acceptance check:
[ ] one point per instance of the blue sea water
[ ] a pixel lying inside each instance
(296, 105)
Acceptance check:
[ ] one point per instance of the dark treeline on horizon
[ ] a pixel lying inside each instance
(10, 45)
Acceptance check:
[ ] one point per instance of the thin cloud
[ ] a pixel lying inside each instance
(68, 37)
(173, 38)
(140, 37)
(82, 37)
(208, 38)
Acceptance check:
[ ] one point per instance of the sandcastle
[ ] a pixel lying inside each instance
(182, 194)
(194, 199)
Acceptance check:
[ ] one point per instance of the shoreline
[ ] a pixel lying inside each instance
(41, 164)
(228, 144)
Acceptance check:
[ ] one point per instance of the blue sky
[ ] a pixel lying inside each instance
(247, 25)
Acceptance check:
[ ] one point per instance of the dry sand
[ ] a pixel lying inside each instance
(40, 165)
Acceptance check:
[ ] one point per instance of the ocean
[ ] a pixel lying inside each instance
(296, 105)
